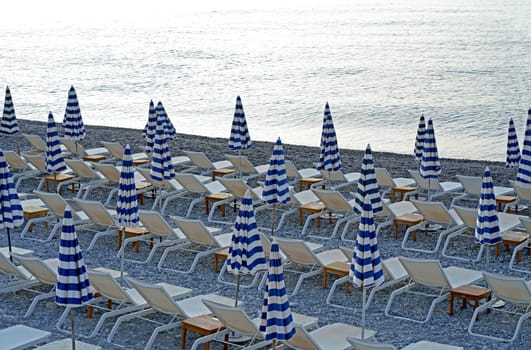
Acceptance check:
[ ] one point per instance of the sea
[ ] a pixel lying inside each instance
(380, 65)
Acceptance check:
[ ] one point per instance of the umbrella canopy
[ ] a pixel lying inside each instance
(73, 286)
(524, 168)
(329, 158)
(161, 164)
(11, 215)
(9, 124)
(430, 165)
(167, 125)
(127, 202)
(276, 189)
(367, 185)
(54, 159)
(487, 223)
(73, 126)
(276, 319)
(366, 266)
(513, 149)
(419, 142)
(239, 133)
(149, 130)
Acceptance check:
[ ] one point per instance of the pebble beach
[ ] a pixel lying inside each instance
(310, 300)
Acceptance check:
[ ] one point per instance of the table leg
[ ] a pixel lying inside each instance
(183, 336)
(226, 346)
(464, 303)
(300, 217)
(395, 224)
(206, 206)
(324, 279)
(451, 311)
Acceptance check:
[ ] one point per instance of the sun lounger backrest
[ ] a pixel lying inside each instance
(304, 197)
(146, 173)
(110, 172)
(348, 252)
(199, 159)
(526, 222)
(196, 232)
(96, 212)
(7, 267)
(471, 184)
(16, 161)
(432, 184)
(81, 168)
(383, 177)
(468, 215)
(333, 200)
(38, 161)
(424, 271)
(242, 163)
(106, 285)
(393, 269)
(291, 169)
(155, 223)
(53, 201)
(302, 340)
(513, 289)
(156, 296)
(235, 186)
(190, 183)
(434, 212)
(359, 344)
(297, 251)
(36, 142)
(39, 269)
(233, 318)
(114, 148)
(336, 176)
(522, 191)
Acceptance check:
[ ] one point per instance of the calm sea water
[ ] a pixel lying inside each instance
(380, 64)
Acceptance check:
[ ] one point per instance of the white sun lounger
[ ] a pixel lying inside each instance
(22, 337)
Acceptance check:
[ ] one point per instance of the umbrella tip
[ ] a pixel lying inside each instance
(529, 111)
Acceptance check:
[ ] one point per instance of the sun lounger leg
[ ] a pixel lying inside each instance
(514, 257)
(125, 318)
(98, 236)
(307, 222)
(36, 300)
(171, 325)
(301, 279)
(337, 283)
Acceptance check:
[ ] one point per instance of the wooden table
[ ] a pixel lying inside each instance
(221, 172)
(312, 208)
(513, 238)
(58, 178)
(139, 186)
(33, 211)
(220, 255)
(502, 200)
(407, 220)
(134, 232)
(203, 325)
(216, 197)
(401, 191)
(94, 158)
(139, 162)
(339, 269)
(475, 293)
(307, 182)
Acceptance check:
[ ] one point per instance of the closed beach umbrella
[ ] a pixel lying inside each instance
(149, 130)
(9, 124)
(127, 202)
(366, 267)
(430, 164)
(161, 164)
(487, 223)
(523, 176)
(329, 158)
(513, 149)
(276, 189)
(167, 125)
(240, 138)
(246, 253)
(367, 185)
(11, 210)
(276, 319)
(419, 141)
(73, 286)
(55, 162)
(73, 126)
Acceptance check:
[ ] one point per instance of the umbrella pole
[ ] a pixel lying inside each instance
(487, 257)
(122, 258)
(363, 315)
(429, 189)
(240, 156)
(9, 244)
(237, 290)
(18, 147)
(273, 220)
(72, 323)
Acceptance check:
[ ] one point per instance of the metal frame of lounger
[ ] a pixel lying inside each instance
(77, 149)
(338, 179)
(24, 169)
(431, 275)
(20, 278)
(160, 301)
(516, 291)
(193, 184)
(129, 300)
(85, 177)
(249, 171)
(523, 195)
(102, 221)
(202, 163)
(359, 344)
(436, 188)
(22, 337)
(526, 222)
(394, 274)
(386, 182)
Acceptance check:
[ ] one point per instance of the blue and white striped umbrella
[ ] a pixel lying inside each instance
(11, 214)
(73, 126)
(487, 222)
(367, 185)
(167, 125)
(419, 141)
(149, 130)
(73, 286)
(513, 149)
(276, 319)
(430, 165)
(246, 253)
(55, 162)
(329, 158)
(127, 202)
(366, 266)
(9, 124)
(239, 133)
(524, 168)
(161, 164)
